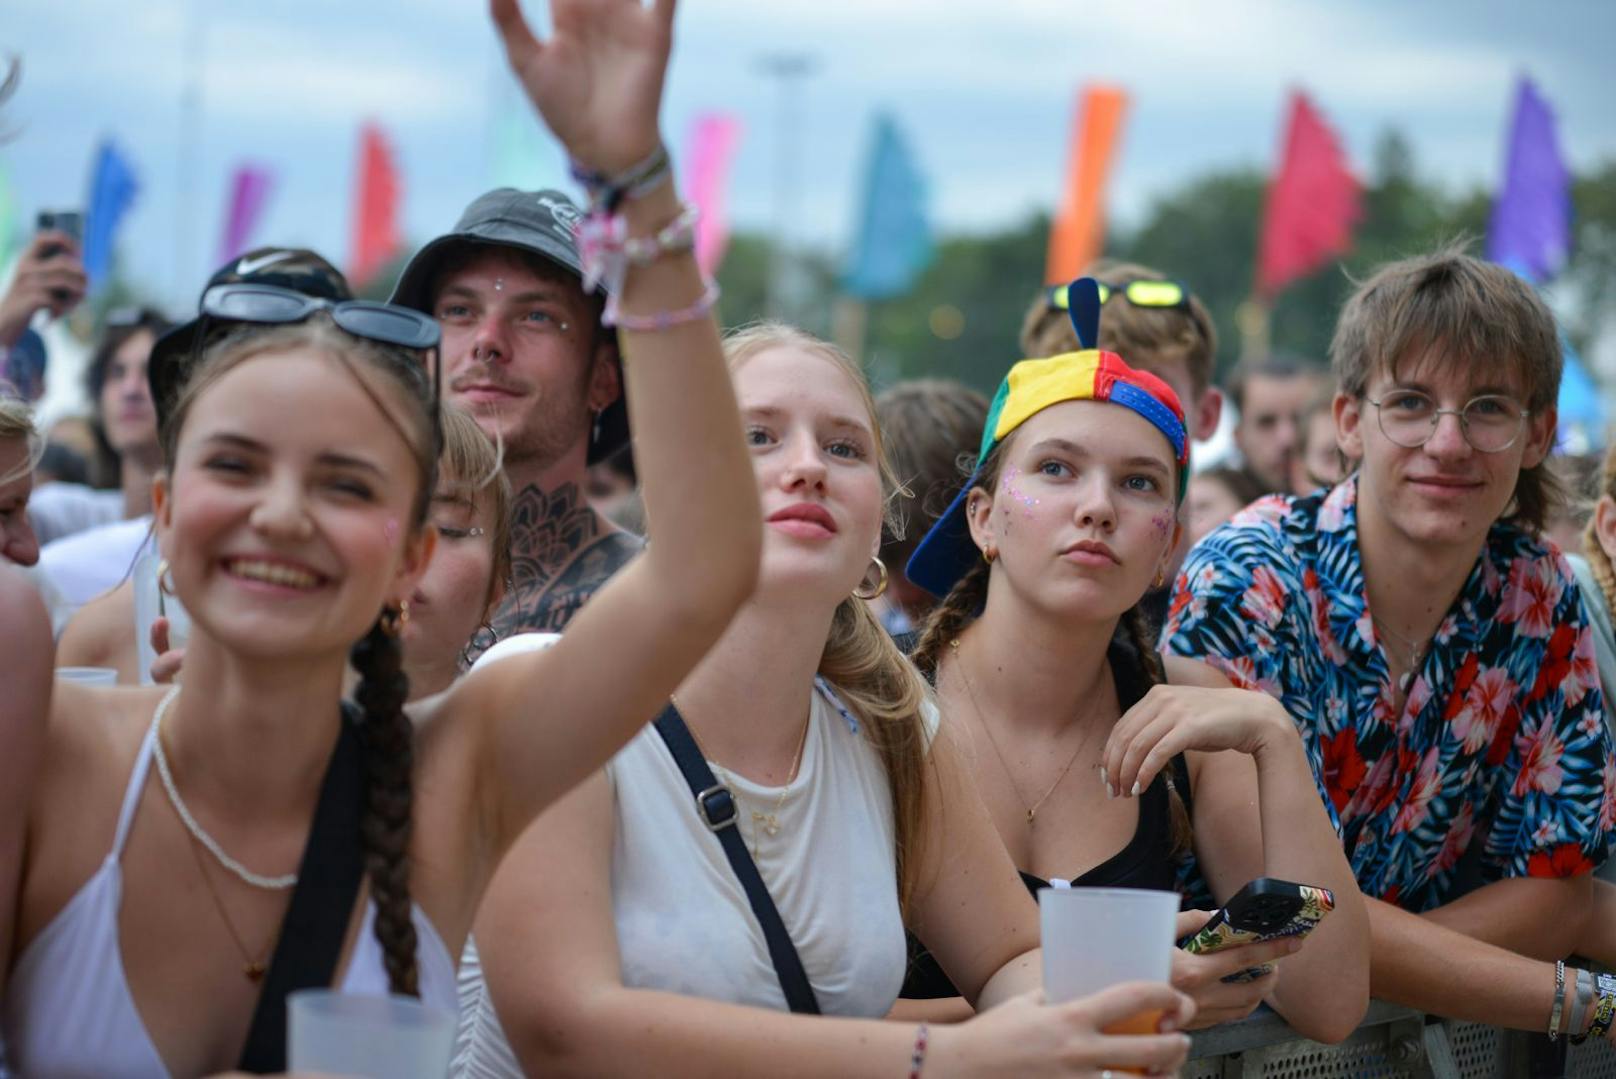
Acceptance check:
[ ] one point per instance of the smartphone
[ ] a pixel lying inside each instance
(1264, 910)
(68, 221)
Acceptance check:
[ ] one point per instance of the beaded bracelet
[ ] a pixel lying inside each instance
(678, 237)
(917, 1059)
(635, 182)
(664, 320)
(606, 249)
(1559, 1000)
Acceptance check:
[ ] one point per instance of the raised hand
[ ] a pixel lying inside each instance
(598, 80)
(49, 275)
(1172, 718)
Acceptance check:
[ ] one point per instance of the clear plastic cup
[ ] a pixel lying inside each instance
(150, 604)
(390, 1037)
(89, 676)
(1094, 938)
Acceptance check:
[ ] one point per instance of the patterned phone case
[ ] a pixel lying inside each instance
(1218, 933)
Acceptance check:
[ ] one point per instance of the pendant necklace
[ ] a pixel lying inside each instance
(768, 822)
(1416, 652)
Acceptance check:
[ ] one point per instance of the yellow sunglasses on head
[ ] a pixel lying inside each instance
(1143, 293)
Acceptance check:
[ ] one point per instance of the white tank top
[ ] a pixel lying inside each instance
(67, 1009)
(683, 922)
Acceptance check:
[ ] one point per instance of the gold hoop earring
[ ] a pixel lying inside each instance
(990, 553)
(1161, 578)
(880, 586)
(164, 585)
(394, 619)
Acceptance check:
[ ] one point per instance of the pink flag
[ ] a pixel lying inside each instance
(713, 139)
(1313, 202)
(375, 224)
(249, 191)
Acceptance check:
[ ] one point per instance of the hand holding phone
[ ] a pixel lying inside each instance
(1266, 909)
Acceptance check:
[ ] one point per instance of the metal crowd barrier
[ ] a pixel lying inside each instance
(1392, 1042)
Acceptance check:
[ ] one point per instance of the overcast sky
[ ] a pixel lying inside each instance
(984, 89)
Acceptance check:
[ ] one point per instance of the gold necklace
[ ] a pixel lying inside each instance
(1032, 810)
(252, 968)
(770, 821)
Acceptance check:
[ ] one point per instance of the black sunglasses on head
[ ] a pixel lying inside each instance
(270, 305)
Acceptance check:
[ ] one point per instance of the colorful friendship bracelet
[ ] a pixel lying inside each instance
(635, 182)
(665, 320)
(1604, 1011)
(917, 1059)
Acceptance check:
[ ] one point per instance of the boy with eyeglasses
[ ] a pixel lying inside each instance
(1432, 649)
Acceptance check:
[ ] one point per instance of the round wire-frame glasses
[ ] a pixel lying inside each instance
(1490, 423)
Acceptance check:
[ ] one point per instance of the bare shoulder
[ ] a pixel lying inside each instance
(1182, 671)
(25, 625)
(101, 633)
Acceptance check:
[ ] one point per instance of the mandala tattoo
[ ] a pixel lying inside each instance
(560, 556)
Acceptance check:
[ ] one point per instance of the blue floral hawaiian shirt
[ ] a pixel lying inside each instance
(1501, 740)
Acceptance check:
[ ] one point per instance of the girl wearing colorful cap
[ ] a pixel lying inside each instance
(1098, 764)
(193, 853)
(619, 939)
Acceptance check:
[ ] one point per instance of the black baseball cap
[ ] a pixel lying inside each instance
(542, 223)
(295, 268)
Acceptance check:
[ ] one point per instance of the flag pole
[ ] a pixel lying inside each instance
(850, 324)
(1254, 320)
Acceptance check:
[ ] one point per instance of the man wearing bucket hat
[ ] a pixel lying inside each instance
(1101, 763)
(525, 353)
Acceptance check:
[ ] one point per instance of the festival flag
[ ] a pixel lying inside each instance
(8, 216)
(713, 139)
(1313, 202)
(893, 242)
(249, 191)
(112, 192)
(1530, 230)
(1078, 233)
(375, 230)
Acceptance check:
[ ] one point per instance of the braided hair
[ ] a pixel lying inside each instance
(385, 827)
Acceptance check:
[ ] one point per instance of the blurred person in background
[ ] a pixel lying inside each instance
(929, 427)
(1215, 495)
(614, 491)
(1319, 462)
(49, 277)
(1270, 394)
(123, 425)
(19, 452)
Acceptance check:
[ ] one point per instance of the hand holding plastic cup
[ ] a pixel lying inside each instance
(1095, 938)
(390, 1037)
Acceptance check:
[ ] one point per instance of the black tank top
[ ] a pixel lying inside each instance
(1147, 861)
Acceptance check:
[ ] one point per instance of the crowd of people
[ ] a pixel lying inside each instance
(776, 793)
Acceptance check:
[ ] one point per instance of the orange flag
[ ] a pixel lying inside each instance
(375, 228)
(1078, 233)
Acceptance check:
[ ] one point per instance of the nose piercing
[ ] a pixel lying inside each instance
(499, 284)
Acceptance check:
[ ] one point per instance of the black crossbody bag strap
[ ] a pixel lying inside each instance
(322, 903)
(715, 804)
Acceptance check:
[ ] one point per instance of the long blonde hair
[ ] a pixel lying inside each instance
(17, 423)
(860, 658)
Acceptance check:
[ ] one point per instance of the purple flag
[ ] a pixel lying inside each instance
(1531, 226)
(249, 191)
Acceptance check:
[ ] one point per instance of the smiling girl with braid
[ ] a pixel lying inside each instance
(294, 518)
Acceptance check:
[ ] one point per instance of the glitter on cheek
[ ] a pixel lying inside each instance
(1162, 525)
(1008, 484)
(390, 529)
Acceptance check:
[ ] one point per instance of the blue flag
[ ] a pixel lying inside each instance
(893, 244)
(112, 191)
(1531, 225)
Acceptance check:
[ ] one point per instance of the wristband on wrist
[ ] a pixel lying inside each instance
(1577, 1023)
(1559, 1000)
(635, 182)
(606, 250)
(917, 1059)
(666, 320)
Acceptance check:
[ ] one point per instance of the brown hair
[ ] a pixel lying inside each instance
(472, 466)
(860, 658)
(104, 469)
(1598, 561)
(1465, 315)
(383, 687)
(930, 427)
(966, 600)
(1144, 336)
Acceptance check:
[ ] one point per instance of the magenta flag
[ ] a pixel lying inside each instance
(249, 191)
(713, 139)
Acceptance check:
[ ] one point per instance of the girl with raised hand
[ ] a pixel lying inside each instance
(618, 939)
(294, 518)
(1088, 751)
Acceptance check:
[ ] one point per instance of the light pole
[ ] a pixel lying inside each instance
(789, 70)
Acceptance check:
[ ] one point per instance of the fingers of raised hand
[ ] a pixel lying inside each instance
(521, 46)
(1132, 765)
(166, 667)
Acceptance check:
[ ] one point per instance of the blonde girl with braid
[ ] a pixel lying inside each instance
(1086, 747)
(293, 515)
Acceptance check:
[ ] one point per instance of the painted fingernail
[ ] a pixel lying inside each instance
(1104, 782)
(1110, 791)
(1135, 792)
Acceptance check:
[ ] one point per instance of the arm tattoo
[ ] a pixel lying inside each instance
(560, 554)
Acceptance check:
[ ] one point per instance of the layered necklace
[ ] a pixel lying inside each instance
(981, 717)
(252, 966)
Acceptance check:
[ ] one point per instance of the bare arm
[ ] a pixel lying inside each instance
(102, 634)
(1535, 916)
(26, 662)
(551, 718)
(1258, 813)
